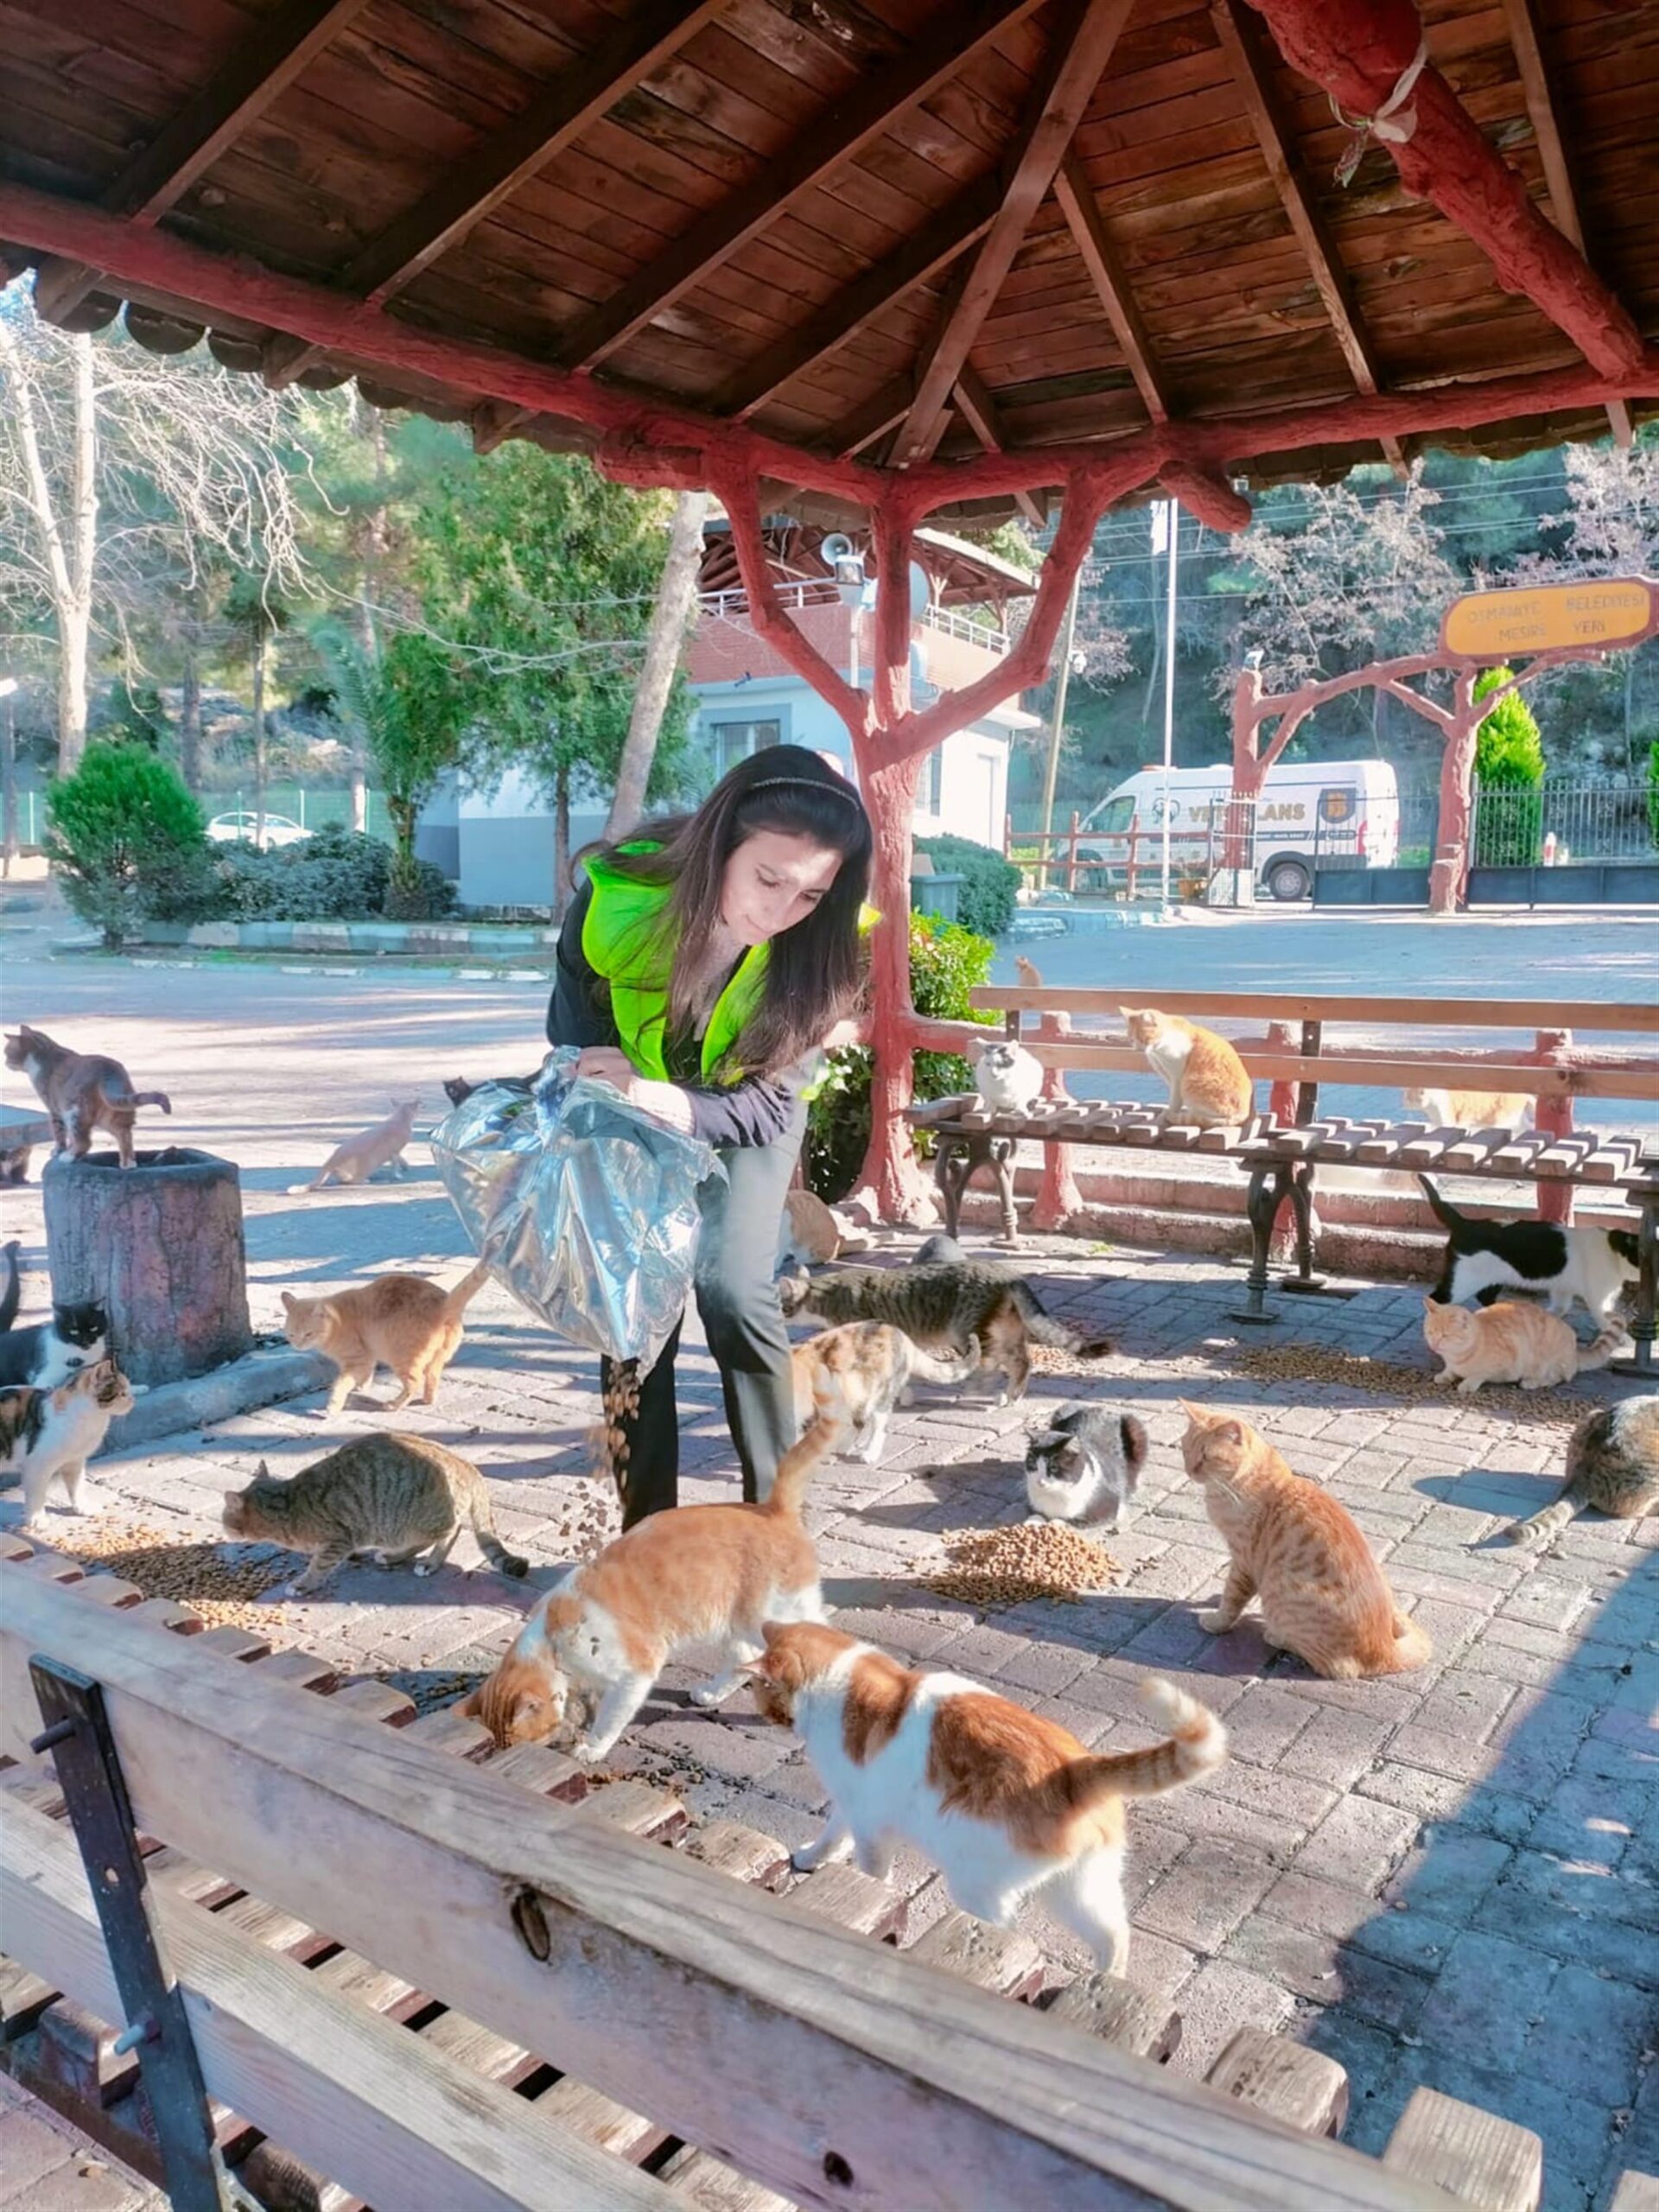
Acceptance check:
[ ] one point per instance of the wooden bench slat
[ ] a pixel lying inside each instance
(1635, 2193)
(1621, 1016)
(1470, 2154)
(540, 1768)
(1115, 2011)
(694, 2175)
(748, 1854)
(599, 2120)
(640, 1808)
(1303, 2088)
(997, 1959)
(852, 1900)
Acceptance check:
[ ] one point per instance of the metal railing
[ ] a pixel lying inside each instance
(310, 808)
(1129, 863)
(819, 591)
(1563, 818)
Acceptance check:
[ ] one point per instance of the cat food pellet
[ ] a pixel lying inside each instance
(221, 1583)
(989, 1567)
(1389, 1378)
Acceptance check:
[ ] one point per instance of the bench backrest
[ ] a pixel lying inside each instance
(1373, 1013)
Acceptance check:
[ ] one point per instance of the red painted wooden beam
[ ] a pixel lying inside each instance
(1206, 496)
(1358, 51)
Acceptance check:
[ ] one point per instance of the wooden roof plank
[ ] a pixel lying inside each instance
(1525, 38)
(851, 124)
(979, 410)
(1082, 41)
(1112, 286)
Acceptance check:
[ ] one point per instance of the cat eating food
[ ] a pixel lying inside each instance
(1482, 1257)
(81, 1092)
(694, 1574)
(1007, 1077)
(404, 1496)
(1613, 1467)
(1085, 1464)
(49, 1435)
(402, 1322)
(1510, 1343)
(942, 1308)
(1209, 1084)
(855, 1375)
(1323, 1595)
(1009, 1806)
(364, 1156)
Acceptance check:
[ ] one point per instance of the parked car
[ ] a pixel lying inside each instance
(242, 827)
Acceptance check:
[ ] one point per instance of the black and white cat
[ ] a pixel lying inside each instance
(47, 1353)
(1084, 1465)
(1482, 1257)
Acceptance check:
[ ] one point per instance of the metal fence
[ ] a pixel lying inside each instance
(1562, 819)
(310, 808)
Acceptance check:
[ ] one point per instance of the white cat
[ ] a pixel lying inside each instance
(1007, 1077)
(1008, 1805)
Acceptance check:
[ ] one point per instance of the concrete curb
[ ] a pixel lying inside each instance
(260, 1377)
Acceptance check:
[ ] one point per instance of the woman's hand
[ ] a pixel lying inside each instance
(664, 1102)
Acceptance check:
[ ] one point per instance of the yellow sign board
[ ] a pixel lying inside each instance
(1491, 625)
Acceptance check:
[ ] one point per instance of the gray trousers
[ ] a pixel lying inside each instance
(737, 1298)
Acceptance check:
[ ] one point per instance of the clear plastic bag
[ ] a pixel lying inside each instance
(585, 1208)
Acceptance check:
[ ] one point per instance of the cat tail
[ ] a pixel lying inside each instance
(1444, 1210)
(1603, 1348)
(931, 1367)
(472, 1282)
(798, 1463)
(1043, 1329)
(1542, 1525)
(483, 1521)
(1197, 1741)
(153, 1098)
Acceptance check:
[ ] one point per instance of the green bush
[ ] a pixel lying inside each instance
(125, 836)
(334, 875)
(946, 962)
(1653, 791)
(987, 899)
(1509, 768)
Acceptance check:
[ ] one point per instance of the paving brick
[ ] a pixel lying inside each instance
(1336, 1747)
(1325, 1970)
(1547, 1601)
(1593, 2037)
(1487, 1998)
(89, 2183)
(1450, 1875)
(29, 2149)
(1590, 1819)
(1464, 1703)
(1358, 1844)
(1215, 2003)
(1264, 1723)
(1298, 1804)
(1403, 1938)
(1463, 1758)
(1205, 1895)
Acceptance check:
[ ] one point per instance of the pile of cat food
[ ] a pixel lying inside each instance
(989, 1567)
(1387, 1378)
(222, 1582)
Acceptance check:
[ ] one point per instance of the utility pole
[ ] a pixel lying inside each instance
(1057, 728)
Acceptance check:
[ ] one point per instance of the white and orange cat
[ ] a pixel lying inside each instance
(1009, 1806)
(1510, 1343)
(357, 1158)
(1471, 1109)
(1302, 1553)
(855, 1376)
(1209, 1084)
(402, 1322)
(694, 1574)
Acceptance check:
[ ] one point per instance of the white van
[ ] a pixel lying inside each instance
(1346, 813)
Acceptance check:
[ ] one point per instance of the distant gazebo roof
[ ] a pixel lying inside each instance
(871, 235)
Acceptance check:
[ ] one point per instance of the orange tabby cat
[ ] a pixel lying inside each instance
(1510, 1343)
(360, 1157)
(1323, 1595)
(402, 1322)
(1209, 1084)
(695, 1574)
(1471, 1109)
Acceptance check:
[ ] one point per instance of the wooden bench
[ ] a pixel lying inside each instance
(1282, 1150)
(531, 2005)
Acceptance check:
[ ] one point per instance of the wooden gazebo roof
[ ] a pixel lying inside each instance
(868, 235)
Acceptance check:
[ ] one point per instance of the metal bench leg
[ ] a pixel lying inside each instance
(951, 1169)
(1002, 1149)
(1301, 1206)
(1648, 1254)
(1268, 1186)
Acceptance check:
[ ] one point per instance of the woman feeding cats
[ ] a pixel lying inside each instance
(700, 970)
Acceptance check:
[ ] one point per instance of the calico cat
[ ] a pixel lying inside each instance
(47, 1435)
(1007, 1077)
(402, 1322)
(1323, 1595)
(363, 1155)
(1471, 1109)
(942, 1308)
(403, 1496)
(46, 1353)
(1209, 1084)
(81, 1092)
(695, 1574)
(1482, 1257)
(855, 1375)
(1009, 1806)
(1510, 1343)
(1085, 1464)
(1613, 1467)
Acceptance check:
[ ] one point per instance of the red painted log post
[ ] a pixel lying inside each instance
(892, 1186)
(1057, 1196)
(1449, 877)
(1552, 1116)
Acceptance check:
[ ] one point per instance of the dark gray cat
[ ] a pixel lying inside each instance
(1084, 1465)
(1612, 1466)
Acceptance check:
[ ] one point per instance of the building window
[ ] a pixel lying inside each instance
(734, 742)
(928, 789)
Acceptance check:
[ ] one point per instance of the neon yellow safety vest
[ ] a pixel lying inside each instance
(624, 941)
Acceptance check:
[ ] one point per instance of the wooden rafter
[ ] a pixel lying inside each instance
(928, 251)
(883, 410)
(979, 410)
(1241, 44)
(264, 63)
(1525, 39)
(1083, 37)
(471, 190)
(852, 122)
(1110, 280)
(1362, 54)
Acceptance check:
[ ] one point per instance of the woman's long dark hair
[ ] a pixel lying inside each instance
(813, 970)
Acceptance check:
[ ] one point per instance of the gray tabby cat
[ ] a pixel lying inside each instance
(1612, 1466)
(942, 1308)
(399, 1496)
(1085, 1464)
